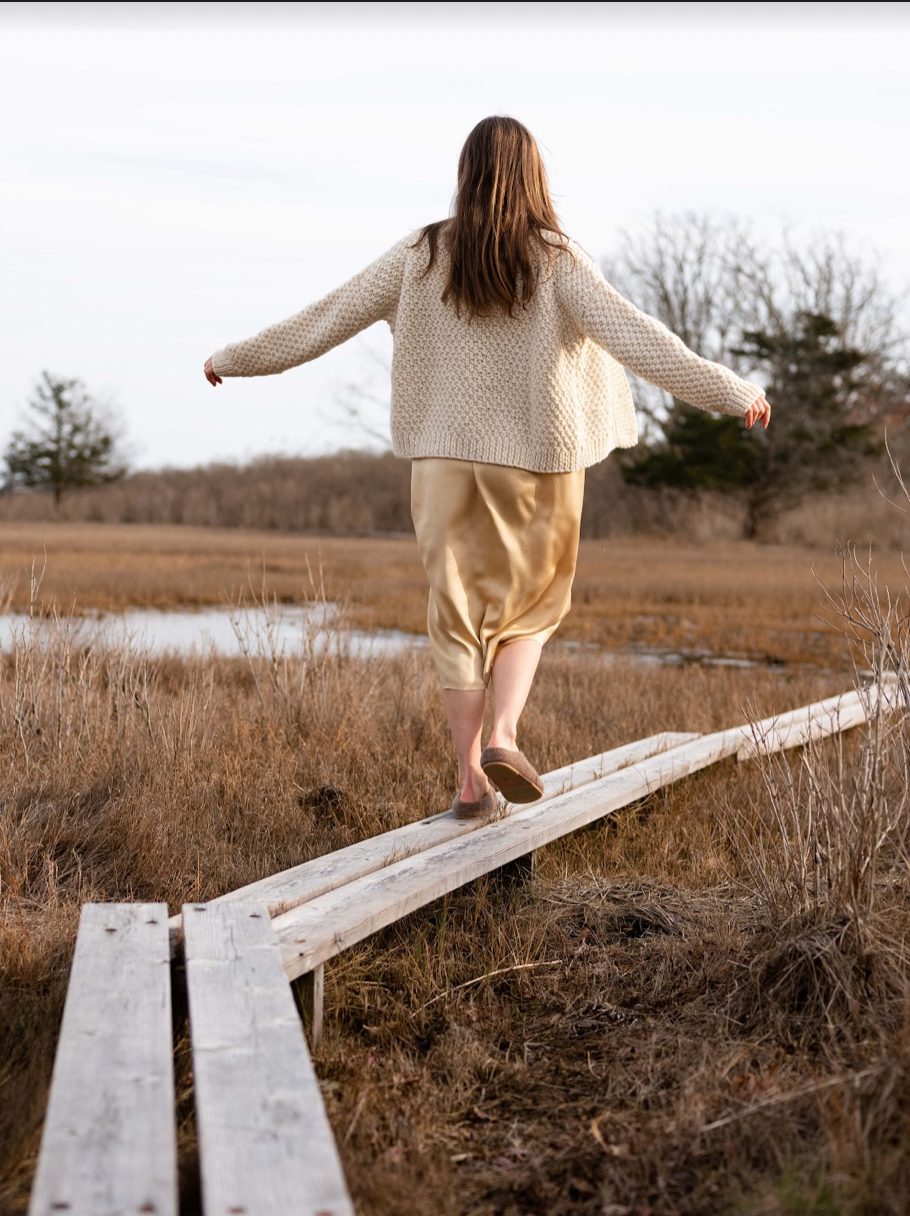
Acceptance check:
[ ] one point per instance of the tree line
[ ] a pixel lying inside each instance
(816, 326)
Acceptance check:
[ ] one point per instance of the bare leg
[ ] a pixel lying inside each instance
(464, 708)
(512, 676)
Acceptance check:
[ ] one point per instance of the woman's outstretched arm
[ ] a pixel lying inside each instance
(646, 347)
(371, 295)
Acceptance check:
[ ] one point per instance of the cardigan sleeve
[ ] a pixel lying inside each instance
(646, 346)
(371, 295)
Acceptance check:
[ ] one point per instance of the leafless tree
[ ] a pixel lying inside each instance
(695, 274)
(824, 276)
(709, 280)
(366, 400)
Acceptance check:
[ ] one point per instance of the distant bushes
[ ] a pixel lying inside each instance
(359, 493)
(341, 494)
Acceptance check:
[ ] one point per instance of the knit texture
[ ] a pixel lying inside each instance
(543, 390)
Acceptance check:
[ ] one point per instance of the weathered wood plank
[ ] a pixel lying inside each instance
(831, 716)
(265, 1143)
(321, 928)
(282, 891)
(581, 772)
(109, 1142)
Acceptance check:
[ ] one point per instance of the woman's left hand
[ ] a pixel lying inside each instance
(758, 409)
(210, 372)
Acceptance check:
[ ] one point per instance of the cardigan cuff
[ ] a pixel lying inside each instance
(747, 394)
(222, 364)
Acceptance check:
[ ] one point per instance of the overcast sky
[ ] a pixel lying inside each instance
(173, 178)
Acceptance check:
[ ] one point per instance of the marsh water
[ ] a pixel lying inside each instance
(290, 629)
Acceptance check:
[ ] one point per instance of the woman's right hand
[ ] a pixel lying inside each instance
(210, 374)
(759, 409)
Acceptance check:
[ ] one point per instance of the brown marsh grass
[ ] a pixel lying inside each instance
(699, 1005)
(744, 599)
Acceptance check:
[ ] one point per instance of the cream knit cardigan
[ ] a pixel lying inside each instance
(544, 390)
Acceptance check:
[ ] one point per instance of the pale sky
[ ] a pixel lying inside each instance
(173, 178)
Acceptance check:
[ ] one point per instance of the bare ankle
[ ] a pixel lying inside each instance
(474, 786)
(504, 737)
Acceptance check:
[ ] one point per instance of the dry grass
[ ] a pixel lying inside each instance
(748, 600)
(699, 1005)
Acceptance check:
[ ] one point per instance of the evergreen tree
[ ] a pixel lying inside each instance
(698, 451)
(66, 442)
(811, 444)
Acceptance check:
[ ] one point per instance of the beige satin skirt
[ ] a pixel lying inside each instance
(499, 546)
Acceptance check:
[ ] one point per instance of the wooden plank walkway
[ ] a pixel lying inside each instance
(317, 930)
(265, 1144)
(828, 717)
(281, 892)
(109, 1145)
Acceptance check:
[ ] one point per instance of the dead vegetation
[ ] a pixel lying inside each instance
(745, 600)
(699, 1005)
(358, 493)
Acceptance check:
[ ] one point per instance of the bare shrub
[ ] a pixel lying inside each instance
(833, 850)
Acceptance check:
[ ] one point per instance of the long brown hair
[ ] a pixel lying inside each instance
(502, 207)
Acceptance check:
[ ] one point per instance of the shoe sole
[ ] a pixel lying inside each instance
(513, 785)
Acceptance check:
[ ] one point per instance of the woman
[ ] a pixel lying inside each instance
(507, 383)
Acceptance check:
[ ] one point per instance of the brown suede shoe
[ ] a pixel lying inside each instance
(512, 774)
(483, 807)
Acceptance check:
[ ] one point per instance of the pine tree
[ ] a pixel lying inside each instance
(811, 444)
(66, 442)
